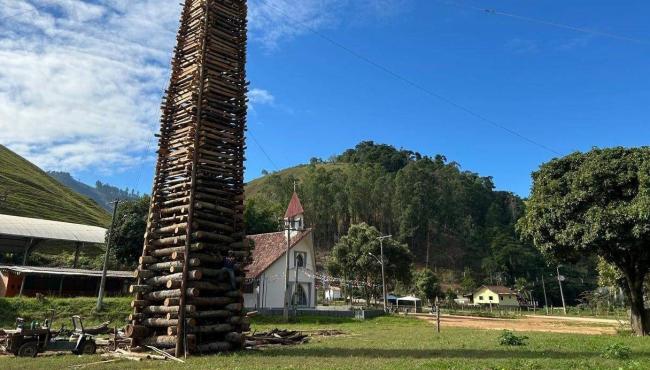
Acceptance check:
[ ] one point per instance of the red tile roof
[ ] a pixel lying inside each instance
(295, 207)
(269, 248)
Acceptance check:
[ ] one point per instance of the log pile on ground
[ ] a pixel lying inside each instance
(276, 337)
(188, 290)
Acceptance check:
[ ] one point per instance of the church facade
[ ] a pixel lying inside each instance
(265, 286)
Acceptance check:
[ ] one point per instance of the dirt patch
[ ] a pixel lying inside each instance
(530, 323)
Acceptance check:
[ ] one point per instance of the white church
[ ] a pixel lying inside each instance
(266, 274)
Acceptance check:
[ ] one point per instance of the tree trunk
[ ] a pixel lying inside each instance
(639, 316)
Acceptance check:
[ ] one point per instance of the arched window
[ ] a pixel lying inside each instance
(299, 259)
(300, 296)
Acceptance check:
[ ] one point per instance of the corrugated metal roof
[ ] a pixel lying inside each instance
(58, 271)
(45, 229)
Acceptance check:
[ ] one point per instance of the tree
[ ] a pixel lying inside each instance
(261, 216)
(354, 257)
(596, 203)
(427, 285)
(127, 239)
(468, 284)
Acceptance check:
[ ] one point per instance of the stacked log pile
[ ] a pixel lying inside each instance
(185, 297)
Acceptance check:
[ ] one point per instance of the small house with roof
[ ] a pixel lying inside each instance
(495, 295)
(265, 286)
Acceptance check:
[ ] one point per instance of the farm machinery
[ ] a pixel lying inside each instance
(28, 340)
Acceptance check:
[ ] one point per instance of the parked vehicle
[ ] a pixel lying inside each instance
(28, 340)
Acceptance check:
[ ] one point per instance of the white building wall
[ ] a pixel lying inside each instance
(270, 293)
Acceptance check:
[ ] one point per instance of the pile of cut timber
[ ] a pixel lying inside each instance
(188, 291)
(276, 337)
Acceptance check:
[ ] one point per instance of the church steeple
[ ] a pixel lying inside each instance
(295, 207)
(294, 215)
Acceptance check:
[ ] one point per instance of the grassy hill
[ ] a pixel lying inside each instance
(32, 193)
(255, 186)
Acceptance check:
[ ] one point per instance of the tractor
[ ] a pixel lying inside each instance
(30, 340)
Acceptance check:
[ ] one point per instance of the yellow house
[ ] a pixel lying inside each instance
(495, 295)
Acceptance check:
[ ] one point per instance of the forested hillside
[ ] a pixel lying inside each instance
(452, 220)
(102, 193)
(25, 190)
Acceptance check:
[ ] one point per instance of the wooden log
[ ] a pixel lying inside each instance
(167, 309)
(145, 260)
(162, 294)
(234, 307)
(163, 323)
(168, 251)
(175, 240)
(218, 273)
(202, 257)
(136, 331)
(162, 280)
(167, 341)
(139, 289)
(212, 236)
(234, 294)
(166, 265)
(139, 303)
(214, 347)
(218, 328)
(143, 274)
(211, 301)
(215, 314)
(236, 338)
(137, 317)
(172, 302)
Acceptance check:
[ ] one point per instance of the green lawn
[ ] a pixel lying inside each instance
(395, 343)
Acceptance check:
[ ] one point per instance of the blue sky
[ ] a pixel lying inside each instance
(93, 113)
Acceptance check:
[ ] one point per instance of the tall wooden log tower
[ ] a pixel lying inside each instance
(188, 291)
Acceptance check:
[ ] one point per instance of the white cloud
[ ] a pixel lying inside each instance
(81, 80)
(260, 96)
(274, 21)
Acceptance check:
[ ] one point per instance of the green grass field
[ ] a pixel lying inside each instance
(383, 343)
(33, 193)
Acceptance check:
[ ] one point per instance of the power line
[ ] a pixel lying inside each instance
(543, 22)
(263, 151)
(415, 84)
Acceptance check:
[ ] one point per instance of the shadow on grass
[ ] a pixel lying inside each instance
(388, 353)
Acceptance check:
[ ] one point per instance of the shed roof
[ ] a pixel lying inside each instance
(44, 229)
(58, 271)
(409, 298)
(269, 248)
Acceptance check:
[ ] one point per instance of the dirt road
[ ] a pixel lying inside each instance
(550, 324)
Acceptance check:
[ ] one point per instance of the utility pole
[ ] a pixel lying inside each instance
(544, 289)
(102, 284)
(383, 274)
(287, 226)
(559, 281)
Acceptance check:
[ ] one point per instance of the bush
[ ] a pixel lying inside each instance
(617, 351)
(508, 338)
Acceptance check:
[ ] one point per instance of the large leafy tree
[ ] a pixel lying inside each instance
(351, 259)
(127, 238)
(261, 216)
(596, 203)
(427, 285)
